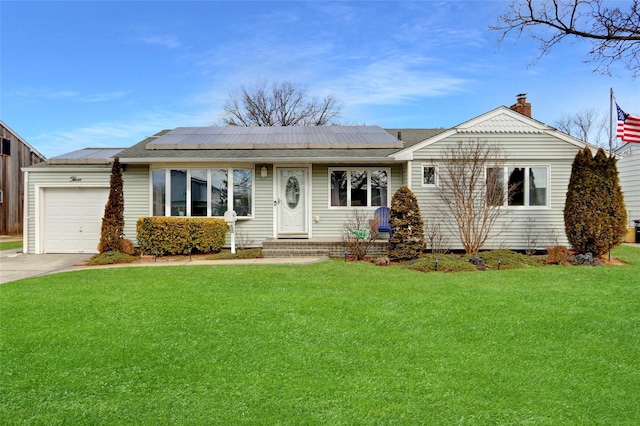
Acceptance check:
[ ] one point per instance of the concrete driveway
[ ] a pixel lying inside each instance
(15, 266)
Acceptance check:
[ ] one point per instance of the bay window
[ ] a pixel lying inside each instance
(358, 187)
(202, 192)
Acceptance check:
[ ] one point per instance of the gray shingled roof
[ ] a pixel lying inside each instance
(87, 156)
(411, 137)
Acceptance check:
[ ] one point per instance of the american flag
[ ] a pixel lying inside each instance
(628, 126)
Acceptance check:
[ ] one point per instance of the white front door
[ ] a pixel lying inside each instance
(292, 202)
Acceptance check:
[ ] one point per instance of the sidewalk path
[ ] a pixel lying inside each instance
(16, 266)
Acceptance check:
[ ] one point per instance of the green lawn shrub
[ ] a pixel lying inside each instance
(445, 263)
(111, 258)
(506, 258)
(471, 262)
(248, 253)
(162, 236)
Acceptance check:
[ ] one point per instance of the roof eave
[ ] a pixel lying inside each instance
(261, 160)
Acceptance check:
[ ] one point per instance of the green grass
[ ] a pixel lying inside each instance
(10, 245)
(328, 343)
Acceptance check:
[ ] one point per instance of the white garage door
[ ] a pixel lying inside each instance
(73, 219)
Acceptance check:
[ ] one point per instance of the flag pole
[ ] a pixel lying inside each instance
(610, 121)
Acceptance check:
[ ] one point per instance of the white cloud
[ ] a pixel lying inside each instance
(114, 134)
(166, 41)
(74, 95)
(32, 93)
(395, 80)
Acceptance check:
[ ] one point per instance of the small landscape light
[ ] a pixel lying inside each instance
(499, 262)
(437, 260)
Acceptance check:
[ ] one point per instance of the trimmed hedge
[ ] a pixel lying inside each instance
(162, 236)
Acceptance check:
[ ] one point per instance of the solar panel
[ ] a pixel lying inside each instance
(87, 156)
(301, 137)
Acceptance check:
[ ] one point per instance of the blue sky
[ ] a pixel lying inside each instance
(81, 74)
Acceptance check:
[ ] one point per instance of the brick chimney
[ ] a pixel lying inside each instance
(522, 106)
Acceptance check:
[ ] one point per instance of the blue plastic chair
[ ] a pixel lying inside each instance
(382, 213)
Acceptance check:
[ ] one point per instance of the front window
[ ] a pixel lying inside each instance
(523, 187)
(359, 187)
(538, 186)
(429, 175)
(219, 188)
(379, 185)
(178, 192)
(159, 180)
(198, 192)
(242, 180)
(202, 192)
(338, 187)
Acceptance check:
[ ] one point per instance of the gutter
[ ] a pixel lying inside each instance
(261, 160)
(63, 168)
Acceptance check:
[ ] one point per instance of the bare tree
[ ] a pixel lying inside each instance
(472, 188)
(359, 232)
(614, 32)
(436, 240)
(280, 103)
(587, 125)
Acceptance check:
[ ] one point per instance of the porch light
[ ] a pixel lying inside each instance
(263, 171)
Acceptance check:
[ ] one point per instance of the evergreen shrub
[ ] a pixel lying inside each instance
(112, 231)
(594, 215)
(408, 241)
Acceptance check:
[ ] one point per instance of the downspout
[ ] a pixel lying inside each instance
(25, 215)
(409, 170)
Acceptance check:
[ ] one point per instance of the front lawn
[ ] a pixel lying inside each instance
(328, 343)
(10, 245)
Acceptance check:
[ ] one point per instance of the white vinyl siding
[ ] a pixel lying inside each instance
(135, 188)
(60, 177)
(629, 173)
(532, 150)
(327, 221)
(260, 227)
